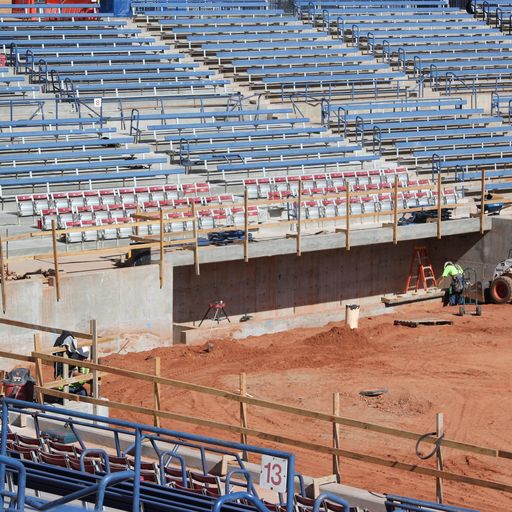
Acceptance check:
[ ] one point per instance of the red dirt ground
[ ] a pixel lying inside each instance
(462, 370)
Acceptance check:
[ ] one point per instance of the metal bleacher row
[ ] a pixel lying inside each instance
(132, 467)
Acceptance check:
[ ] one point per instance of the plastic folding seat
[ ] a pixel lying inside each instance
(41, 202)
(150, 206)
(56, 447)
(188, 188)
(337, 179)
(220, 218)
(195, 200)
(210, 484)
(174, 476)
(281, 184)
(171, 192)
(274, 507)
(75, 236)
(341, 206)
(100, 212)
(202, 188)
(127, 195)
(64, 216)
(252, 188)
(237, 216)
(84, 213)
(175, 226)
(329, 207)
(54, 459)
(253, 214)
(179, 203)
(90, 235)
(311, 209)
(304, 504)
(109, 197)
(385, 202)
(89, 464)
(26, 452)
(45, 221)
(129, 208)
(142, 194)
(164, 204)
(315, 191)
(322, 180)
(356, 206)
(124, 231)
(350, 178)
(369, 204)
(109, 229)
(360, 187)
(307, 181)
(92, 198)
(374, 175)
(362, 177)
(25, 206)
(424, 199)
(28, 441)
(226, 198)
(76, 199)
(264, 186)
(410, 200)
(157, 193)
(61, 200)
(450, 196)
(206, 220)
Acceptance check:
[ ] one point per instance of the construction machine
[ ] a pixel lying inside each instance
(500, 290)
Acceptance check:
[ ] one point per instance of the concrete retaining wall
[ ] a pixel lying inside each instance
(126, 302)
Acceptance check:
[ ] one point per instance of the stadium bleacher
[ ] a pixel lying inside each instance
(129, 466)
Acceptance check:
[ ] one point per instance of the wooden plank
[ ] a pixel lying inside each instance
(17, 357)
(157, 395)
(390, 463)
(482, 203)
(39, 368)
(243, 406)
(3, 277)
(55, 261)
(299, 220)
(439, 209)
(492, 452)
(246, 225)
(416, 323)
(439, 456)
(196, 247)
(396, 300)
(347, 219)
(161, 263)
(55, 330)
(336, 436)
(94, 358)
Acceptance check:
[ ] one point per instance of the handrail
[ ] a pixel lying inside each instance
(244, 472)
(236, 496)
(328, 496)
(18, 496)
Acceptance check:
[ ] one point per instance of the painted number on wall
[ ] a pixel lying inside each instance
(273, 473)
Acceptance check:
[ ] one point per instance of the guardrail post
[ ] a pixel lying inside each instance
(55, 260)
(94, 358)
(439, 209)
(336, 436)
(439, 457)
(395, 211)
(246, 225)
(196, 248)
(157, 395)
(39, 368)
(243, 409)
(161, 263)
(347, 218)
(2, 276)
(299, 220)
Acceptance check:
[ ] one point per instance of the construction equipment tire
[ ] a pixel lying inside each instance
(478, 311)
(501, 290)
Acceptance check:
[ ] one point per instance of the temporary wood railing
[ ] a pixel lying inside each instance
(245, 400)
(167, 240)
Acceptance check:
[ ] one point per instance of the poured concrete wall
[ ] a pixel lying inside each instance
(126, 302)
(287, 282)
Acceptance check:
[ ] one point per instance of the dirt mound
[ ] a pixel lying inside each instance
(339, 336)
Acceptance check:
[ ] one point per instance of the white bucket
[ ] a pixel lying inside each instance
(352, 316)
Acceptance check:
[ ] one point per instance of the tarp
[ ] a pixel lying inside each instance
(116, 7)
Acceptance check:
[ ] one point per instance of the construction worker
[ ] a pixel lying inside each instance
(73, 351)
(453, 294)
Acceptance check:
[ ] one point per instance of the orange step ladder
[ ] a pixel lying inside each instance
(421, 272)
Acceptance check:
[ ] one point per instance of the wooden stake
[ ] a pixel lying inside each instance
(246, 225)
(347, 219)
(161, 265)
(439, 457)
(439, 204)
(94, 358)
(482, 203)
(156, 392)
(2, 276)
(336, 436)
(196, 247)
(243, 406)
(395, 211)
(55, 261)
(39, 368)
(299, 220)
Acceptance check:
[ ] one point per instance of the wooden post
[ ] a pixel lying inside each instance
(299, 220)
(243, 409)
(246, 225)
(196, 248)
(94, 358)
(55, 261)
(439, 457)
(39, 368)
(439, 204)
(2, 276)
(482, 203)
(395, 211)
(336, 436)
(161, 265)
(347, 218)
(156, 392)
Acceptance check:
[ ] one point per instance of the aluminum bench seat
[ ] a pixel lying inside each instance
(406, 104)
(399, 137)
(242, 21)
(295, 62)
(54, 134)
(423, 127)
(424, 116)
(305, 70)
(150, 67)
(447, 154)
(106, 77)
(213, 114)
(453, 142)
(271, 54)
(34, 33)
(92, 50)
(39, 146)
(312, 79)
(140, 59)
